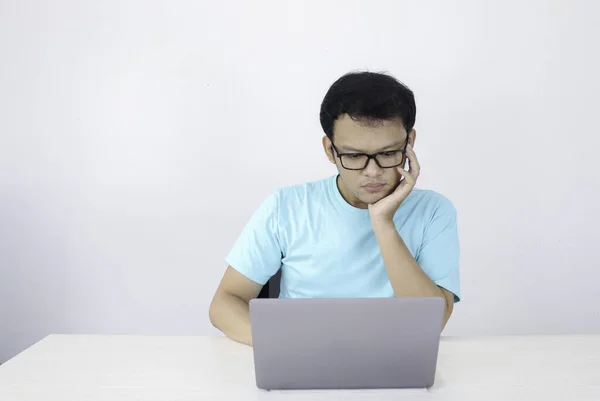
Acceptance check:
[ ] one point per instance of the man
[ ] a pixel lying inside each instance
(366, 232)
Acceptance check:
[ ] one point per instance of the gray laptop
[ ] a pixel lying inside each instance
(346, 343)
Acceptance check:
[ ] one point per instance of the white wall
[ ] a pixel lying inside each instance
(137, 137)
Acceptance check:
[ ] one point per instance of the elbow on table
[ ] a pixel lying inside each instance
(214, 312)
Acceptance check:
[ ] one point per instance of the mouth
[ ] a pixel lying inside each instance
(374, 187)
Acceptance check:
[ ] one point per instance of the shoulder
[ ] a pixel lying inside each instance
(430, 204)
(295, 195)
(301, 193)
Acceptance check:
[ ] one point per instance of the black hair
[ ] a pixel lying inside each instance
(368, 97)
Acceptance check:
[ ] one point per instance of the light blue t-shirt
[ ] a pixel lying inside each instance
(326, 248)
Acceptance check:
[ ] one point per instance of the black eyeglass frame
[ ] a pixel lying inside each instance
(371, 156)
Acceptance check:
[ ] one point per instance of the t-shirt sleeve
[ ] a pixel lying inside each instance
(257, 252)
(440, 253)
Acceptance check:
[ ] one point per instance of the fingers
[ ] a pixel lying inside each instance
(413, 162)
(409, 178)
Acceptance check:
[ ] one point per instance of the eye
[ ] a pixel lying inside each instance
(389, 153)
(354, 155)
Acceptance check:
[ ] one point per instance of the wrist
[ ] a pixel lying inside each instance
(382, 226)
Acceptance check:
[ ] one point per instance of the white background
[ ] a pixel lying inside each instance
(137, 137)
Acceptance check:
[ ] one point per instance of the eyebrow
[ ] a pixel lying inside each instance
(388, 147)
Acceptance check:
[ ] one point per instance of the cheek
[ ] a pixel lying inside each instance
(351, 179)
(393, 176)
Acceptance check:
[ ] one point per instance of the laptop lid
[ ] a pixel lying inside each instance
(346, 343)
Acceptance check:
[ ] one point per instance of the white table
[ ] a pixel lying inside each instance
(110, 368)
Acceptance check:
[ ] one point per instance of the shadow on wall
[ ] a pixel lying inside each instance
(33, 270)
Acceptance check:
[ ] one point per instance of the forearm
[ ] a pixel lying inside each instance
(231, 315)
(405, 274)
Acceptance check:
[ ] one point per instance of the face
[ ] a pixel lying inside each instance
(362, 187)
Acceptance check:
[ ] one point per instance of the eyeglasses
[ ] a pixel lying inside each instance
(360, 161)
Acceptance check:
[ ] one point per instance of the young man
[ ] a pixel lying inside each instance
(366, 232)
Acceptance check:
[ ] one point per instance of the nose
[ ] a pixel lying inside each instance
(372, 169)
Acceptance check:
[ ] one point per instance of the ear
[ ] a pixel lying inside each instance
(412, 137)
(328, 149)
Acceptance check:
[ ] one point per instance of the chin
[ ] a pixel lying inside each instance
(370, 198)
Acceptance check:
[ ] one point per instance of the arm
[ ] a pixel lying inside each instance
(438, 256)
(229, 310)
(253, 260)
(405, 274)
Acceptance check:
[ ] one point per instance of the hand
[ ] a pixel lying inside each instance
(384, 209)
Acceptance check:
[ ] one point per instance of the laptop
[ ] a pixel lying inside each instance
(353, 343)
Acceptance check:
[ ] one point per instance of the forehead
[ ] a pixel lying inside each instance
(367, 135)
